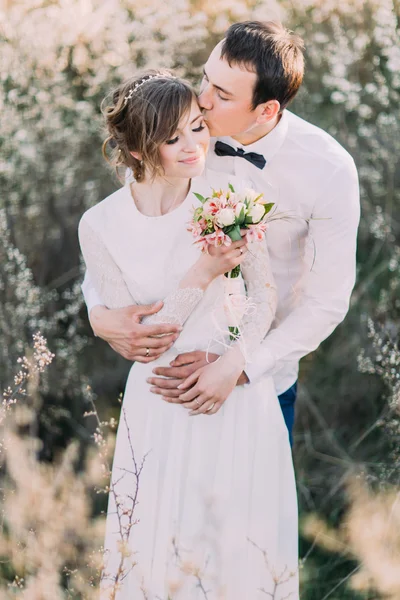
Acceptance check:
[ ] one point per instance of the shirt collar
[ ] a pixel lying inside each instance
(268, 145)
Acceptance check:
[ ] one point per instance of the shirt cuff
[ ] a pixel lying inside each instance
(91, 297)
(263, 364)
(91, 300)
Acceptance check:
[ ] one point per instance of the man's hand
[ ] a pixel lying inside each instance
(166, 384)
(207, 389)
(122, 329)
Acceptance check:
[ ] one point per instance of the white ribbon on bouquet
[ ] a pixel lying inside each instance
(236, 306)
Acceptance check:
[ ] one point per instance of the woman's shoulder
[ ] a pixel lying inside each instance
(107, 211)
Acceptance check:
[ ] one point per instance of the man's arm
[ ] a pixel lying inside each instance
(324, 294)
(323, 297)
(122, 327)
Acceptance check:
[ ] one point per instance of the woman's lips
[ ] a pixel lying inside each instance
(190, 161)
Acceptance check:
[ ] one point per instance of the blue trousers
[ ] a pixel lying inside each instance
(287, 401)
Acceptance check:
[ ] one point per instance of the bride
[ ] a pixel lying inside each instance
(202, 497)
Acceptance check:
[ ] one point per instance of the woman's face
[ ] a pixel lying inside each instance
(185, 154)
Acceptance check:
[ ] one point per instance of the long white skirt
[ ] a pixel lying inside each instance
(215, 510)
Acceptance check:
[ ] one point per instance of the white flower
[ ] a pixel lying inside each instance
(249, 194)
(238, 208)
(226, 217)
(257, 212)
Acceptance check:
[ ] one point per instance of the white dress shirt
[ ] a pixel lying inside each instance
(313, 182)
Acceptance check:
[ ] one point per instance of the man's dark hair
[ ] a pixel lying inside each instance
(273, 53)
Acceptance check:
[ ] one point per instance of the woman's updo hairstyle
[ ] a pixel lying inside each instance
(144, 113)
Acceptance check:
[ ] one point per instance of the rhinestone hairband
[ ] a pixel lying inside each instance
(142, 82)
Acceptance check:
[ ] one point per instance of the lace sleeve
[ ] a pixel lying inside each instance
(178, 306)
(104, 272)
(110, 285)
(262, 298)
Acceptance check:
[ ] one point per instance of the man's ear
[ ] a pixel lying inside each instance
(136, 155)
(267, 111)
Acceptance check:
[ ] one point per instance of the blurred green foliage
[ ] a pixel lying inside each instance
(58, 60)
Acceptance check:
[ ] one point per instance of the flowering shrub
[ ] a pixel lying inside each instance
(59, 59)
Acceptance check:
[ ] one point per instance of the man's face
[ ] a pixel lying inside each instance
(226, 96)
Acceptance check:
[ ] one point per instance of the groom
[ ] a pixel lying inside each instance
(249, 79)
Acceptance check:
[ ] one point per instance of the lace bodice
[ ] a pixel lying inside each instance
(133, 259)
(113, 290)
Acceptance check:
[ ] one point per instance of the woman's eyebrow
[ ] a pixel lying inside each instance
(218, 87)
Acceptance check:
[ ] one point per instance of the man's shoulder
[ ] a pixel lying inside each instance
(107, 210)
(308, 139)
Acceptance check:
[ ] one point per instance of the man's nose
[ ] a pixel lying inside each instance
(204, 98)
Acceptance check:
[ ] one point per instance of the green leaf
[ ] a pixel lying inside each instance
(200, 197)
(241, 217)
(207, 231)
(198, 213)
(268, 207)
(231, 188)
(234, 234)
(248, 220)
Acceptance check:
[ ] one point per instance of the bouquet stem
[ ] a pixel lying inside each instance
(234, 273)
(233, 331)
(221, 219)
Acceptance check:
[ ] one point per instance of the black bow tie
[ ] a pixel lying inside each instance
(257, 160)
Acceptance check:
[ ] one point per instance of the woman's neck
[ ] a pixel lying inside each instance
(161, 196)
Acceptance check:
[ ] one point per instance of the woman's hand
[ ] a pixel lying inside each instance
(218, 261)
(221, 259)
(212, 384)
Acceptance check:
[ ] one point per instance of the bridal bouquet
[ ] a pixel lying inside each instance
(219, 220)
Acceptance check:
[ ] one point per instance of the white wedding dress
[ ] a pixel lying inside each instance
(215, 510)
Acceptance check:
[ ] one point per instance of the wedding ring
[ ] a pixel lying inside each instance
(147, 352)
(197, 402)
(211, 407)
